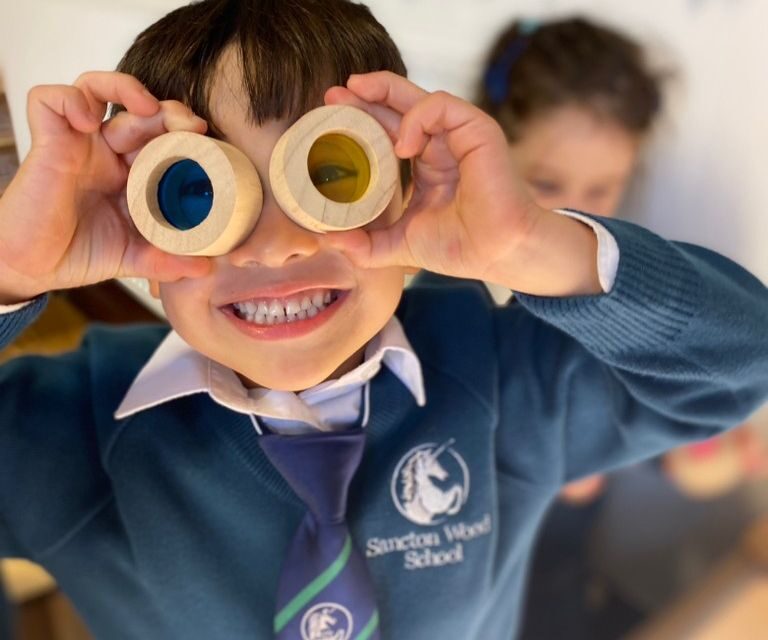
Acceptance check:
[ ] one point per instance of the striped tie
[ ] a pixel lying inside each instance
(325, 590)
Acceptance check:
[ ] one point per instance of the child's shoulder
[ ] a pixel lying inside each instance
(434, 299)
(452, 325)
(57, 419)
(103, 366)
(434, 303)
(125, 348)
(457, 325)
(428, 286)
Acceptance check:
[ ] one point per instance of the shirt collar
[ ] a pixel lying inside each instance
(176, 370)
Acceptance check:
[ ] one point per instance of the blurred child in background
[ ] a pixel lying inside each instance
(578, 101)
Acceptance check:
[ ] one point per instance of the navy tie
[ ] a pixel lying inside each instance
(325, 589)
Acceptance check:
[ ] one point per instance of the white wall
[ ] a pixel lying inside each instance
(706, 177)
(53, 41)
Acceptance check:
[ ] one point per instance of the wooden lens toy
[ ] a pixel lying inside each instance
(192, 195)
(334, 169)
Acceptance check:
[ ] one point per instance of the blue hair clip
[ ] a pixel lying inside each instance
(529, 26)
(497, 77)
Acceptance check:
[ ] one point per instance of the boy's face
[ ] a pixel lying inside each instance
(284, 269)
(570, 158)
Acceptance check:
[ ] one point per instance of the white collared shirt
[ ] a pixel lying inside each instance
(176, 370)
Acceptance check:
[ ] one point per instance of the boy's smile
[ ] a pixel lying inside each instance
(272, 312)
(286, 304)
(284, 309)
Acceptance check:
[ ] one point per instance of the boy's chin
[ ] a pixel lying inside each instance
(284, 381)
(298, 376)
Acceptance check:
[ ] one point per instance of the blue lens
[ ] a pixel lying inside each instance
(185, 195)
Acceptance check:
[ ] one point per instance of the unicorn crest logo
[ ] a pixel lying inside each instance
(326, 621)
(430, 482)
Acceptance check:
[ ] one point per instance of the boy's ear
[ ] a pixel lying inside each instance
(154, 288)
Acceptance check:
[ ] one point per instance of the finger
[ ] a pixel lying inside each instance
(102, 87)
(130, 158)
(373, 249)
(128, 132)
(386, 88)
(55, 109)
(388, 118)
(143, 260)
(464, 127)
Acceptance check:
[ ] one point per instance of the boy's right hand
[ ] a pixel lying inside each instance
(63, 219)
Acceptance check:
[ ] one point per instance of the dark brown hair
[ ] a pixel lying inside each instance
(535, 68)
(290, 52)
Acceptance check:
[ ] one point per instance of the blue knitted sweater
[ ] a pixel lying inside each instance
(172, 524)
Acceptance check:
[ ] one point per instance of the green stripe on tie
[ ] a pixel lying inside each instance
(367, 632)
(289, 611)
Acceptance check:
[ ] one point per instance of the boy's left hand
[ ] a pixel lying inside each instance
(469, 214)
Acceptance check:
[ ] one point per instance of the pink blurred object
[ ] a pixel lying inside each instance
(704, 449)
(716, 466)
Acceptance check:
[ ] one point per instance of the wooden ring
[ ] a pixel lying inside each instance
(237, 194)
(293, 186)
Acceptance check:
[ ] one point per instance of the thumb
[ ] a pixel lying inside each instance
(373, 249)
(143, 260)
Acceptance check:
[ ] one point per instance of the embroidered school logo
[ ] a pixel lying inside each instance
(326, 621)
(430, 482)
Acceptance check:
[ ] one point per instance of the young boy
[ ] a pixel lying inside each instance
(142, 470)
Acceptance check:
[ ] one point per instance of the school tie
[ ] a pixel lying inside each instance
(325, 589)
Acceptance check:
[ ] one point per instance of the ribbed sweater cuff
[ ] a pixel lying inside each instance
(654, 296)
(13, 323)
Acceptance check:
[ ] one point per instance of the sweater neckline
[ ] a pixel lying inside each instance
(389, 400)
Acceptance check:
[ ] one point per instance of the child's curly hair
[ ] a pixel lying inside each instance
(535, 68)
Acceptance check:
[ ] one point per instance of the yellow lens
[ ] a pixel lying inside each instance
(339, 168)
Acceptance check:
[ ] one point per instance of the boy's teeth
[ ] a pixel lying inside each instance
(286, 310)
(292, 307)
(276, 309)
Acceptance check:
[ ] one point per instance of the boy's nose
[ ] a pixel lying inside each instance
(275, 240)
